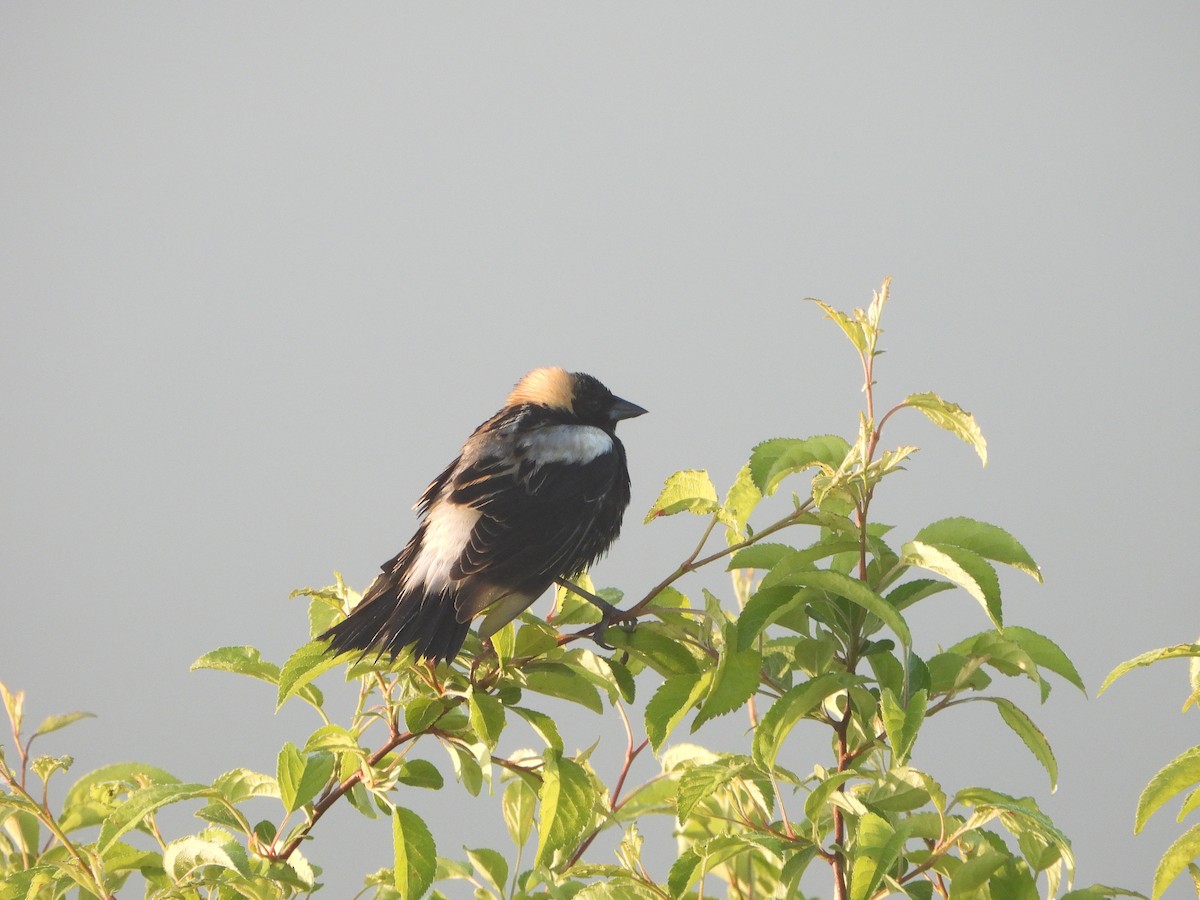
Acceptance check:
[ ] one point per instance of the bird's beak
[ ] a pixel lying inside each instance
(623, 409)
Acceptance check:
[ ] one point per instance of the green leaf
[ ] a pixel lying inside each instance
(1180, 774)
(242, 660)
(670, 704)
(902, 723)
(415, 855)
(814, 803)
(876, 850)
(688, 491)
(302, 667)
(1145, 659)
(1174, 862)
(854, 327)
(773, 460)
(766, 606)
(491, 866)
(143, 802)
(1029, 733)
(335, 738)
(517, 806)
(789, 709)
(1045, 653)
(94, 796)
(420, 773)
(759, 556)
(619, 888)
(1100, 892)
(989, 541)
(184, 856)
(658, 646)
(952, 418)
(905, 595)
(487, 717)
(741, 500)
(302, 777)
(976, 872)
(238, 785)
(543, 725)
(698, 783)
(53, 723)
(856, 592)
(14, 705)
(685, 872)
(967, 569)
(736, 680)
(421, 712)
(558, 680)
(568, 799)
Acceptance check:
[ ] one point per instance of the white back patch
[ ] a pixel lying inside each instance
(566, 444)
(447, 530)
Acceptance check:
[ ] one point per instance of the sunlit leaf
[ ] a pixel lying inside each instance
(1180, 774)
(901, 722)
(967, 569)
(876, 851)
(1174, 862)
(301, 776)
(414, 852)
(53, 723)
(670, 704)
(952, 418)
(143, 802)
(987, 540)
(567, 802)
(690, 490)
(302, 667)
(1145, 659)
(736, 679)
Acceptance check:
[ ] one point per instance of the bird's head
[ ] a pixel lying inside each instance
(576, 393)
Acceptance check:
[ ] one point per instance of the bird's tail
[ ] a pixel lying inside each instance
(390, 618)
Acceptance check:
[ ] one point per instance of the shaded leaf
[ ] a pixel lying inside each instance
(789, 709)
(1029, 733)
(773, 460)
(558, 680)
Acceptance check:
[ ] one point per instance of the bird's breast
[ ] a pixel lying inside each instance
(578, 444)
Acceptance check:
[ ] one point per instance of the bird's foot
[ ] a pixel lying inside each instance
(609, 614)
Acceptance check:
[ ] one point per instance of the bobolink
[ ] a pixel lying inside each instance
(537, 494)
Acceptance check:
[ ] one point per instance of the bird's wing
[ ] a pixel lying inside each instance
(540, 494)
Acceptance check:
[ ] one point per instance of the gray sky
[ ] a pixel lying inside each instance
(263, 267)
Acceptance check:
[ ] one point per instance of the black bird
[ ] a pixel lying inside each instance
(536, 495)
